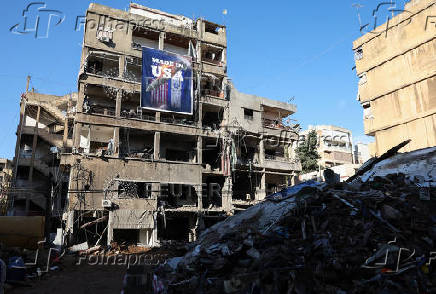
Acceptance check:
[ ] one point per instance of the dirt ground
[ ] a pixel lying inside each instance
(77, 279)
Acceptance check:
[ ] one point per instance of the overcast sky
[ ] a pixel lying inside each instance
(276, 49)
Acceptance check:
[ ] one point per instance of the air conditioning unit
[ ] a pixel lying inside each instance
(106, 203)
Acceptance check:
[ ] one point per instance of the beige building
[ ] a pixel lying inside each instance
(143, 175)
(5, 172)
(334, 145)
(396, 64)
(361, 153)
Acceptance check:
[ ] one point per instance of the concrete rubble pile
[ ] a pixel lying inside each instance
(374, 234)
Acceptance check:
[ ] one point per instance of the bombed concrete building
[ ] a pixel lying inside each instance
(395, 64)
(131, 171)
(43, 134)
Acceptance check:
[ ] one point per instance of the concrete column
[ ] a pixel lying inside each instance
(110, 230)
(192, 229)
(65, 136)
(77, 131)
(154, 234)
(81, 97)
(200, 114)
(262, 193)
(224, 56)
(157, 117)
(118, 103)
(198, 48)
(122, 66)
(199, 149)
(155, 190)
(116, 141)
(199, 192)
(227, 194)
(70, 222)
(34, 143)
(262, 150)
(161, 40)
(156, 153)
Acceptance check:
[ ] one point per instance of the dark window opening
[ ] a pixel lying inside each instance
(175, 195)
(212, 191)
(247, 154)
(211, 28)
(128, 189)
(213, 120)
(211, 152)
(176, 155)
(248, 114)
(95, 66)
(173, 228)
(129, 236)
(101, 64)
(244, 186)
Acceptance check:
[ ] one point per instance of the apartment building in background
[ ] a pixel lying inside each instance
(100, 159)
(361, 153)
(5, 172)
(335, 145)
(396, 66)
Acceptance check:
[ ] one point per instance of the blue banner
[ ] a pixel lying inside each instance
(166, 81)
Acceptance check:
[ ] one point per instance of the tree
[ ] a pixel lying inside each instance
(307, 152)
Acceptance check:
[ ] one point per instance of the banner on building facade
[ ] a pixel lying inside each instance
(166, 81)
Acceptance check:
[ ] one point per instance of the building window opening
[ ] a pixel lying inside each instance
(129, 236)
(248, 114)
(102, 64)
(133, 70)
(128, 189)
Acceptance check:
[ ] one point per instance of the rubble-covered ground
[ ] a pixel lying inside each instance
(375, 233)
(359, 237)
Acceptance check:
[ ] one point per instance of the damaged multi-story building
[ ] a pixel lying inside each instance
(396, 66)
(334, 145)
(126, 172)
(43, 134)
(5, 182)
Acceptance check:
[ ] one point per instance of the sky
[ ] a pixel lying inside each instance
(276, 49)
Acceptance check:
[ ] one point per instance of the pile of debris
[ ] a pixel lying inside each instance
(373, 236)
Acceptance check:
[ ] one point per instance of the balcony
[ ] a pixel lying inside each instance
(138, 114)
(281, 163)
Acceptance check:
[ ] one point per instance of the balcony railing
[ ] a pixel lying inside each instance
(216, 93)
(177, 121)
(274, 124)
(276, 157)
(94, 109)
(125, 113)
